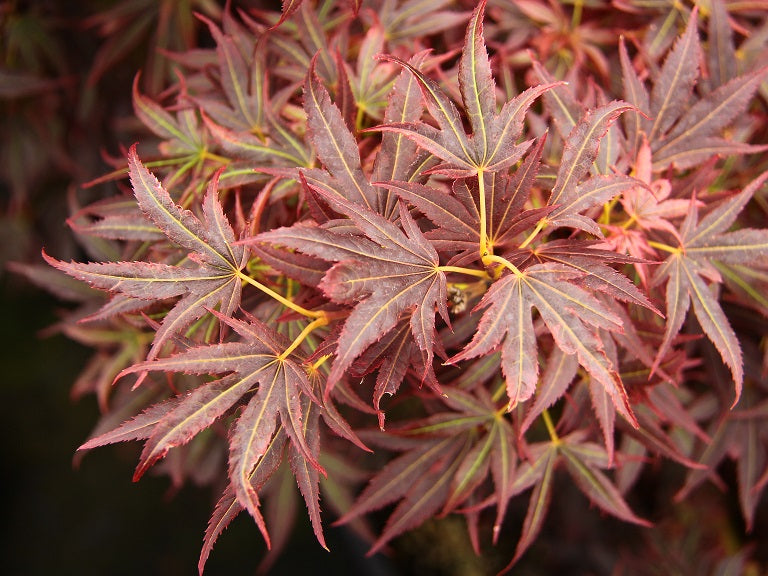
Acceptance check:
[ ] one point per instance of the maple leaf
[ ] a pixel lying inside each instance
(259, 360)
(584, 462)
(572, 194)
(493, 145)
(457, 215)
(682, 134)
(572, 315)
(446, 458)
(414, 19)
(384, 271)
(737, 435)
(390, 358)
(690, 264)
(214, 280)
(335, 147)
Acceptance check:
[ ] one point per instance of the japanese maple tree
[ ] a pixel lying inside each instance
(494, 259)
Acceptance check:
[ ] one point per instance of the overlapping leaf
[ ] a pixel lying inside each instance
(457, 216)
(384, 271)
(688, 272)
(213, 280)
(443, 463)
(493, 145)
(571, 194)
(584, 462)
(682, 134)
(572, 315)
(258, 362)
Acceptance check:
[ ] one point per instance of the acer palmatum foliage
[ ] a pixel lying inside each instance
(330, 215)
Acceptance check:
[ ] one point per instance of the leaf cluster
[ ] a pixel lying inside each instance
(491, 288)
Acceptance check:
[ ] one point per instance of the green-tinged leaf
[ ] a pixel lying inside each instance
(312, 37)
(539, 502)
(243, 145)
(399, 476)
(560, 370)
(161, 122)
(636, 94)
(503, 458)
(597, 487)
(424, 499)
(234, 75)
(560, 102)
(695, 136)
(400, 157)
(721, 55)
(472, 470)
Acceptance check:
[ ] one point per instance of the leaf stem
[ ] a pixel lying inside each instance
(532, 235)
(320, 361)
(308, 329)
(469, 271)
(206, 155)
(485, 249)
(505, 263)
(319, 314)
(578, 7)
(663, 247)
(550, 427)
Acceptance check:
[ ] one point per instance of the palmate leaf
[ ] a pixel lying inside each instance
(384, 271)
(681, 134)
(738, 435)
(493, 145)
(457, 215)
(214, 281)
(415, 19)
(400, 158)
(689, 270)
(391, 358)
(584, 462)
(242, 78)
(446, 459)
(278, 404)
(572, 315)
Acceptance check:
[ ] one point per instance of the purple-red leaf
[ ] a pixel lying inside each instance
(688, 267)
